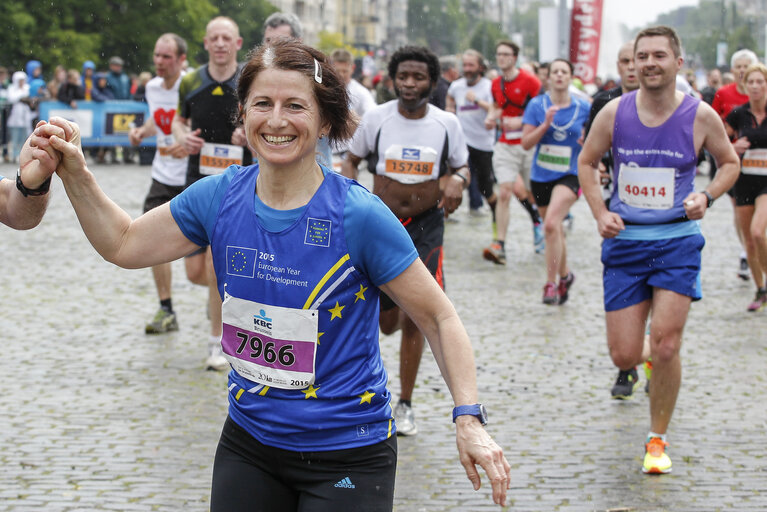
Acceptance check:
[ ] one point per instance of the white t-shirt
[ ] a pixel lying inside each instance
(471, 115)
(162, 107)
(410, 150)
(360, 101)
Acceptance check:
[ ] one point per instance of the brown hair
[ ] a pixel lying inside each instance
(341, 55)
(329, 91)
(511, 44)
(661, 31)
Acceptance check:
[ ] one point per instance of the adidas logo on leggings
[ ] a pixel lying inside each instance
(346, 483)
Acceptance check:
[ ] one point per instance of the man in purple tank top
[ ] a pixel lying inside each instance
(652, 241)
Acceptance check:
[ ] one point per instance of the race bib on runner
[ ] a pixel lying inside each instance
(410, 164)
(554, 158)
(647, 187)
(754, 162)
(271, 345)
(215, 158)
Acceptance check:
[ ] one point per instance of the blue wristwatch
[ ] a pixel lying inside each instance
(477, 410)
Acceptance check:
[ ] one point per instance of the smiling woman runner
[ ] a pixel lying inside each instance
(553, 123)
(300, 254)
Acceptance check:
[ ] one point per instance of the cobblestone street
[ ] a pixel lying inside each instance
(95, 415)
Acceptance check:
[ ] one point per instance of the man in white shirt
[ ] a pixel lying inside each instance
(418, 156)
(360, 98)
(470, 98)
(169, 164)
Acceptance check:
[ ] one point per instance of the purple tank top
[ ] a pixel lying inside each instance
(654, 167)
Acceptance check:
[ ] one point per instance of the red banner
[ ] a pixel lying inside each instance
(585, 30)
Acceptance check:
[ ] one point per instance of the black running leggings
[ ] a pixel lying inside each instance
(250, 476)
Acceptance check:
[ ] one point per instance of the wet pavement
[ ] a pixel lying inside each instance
(95, 415)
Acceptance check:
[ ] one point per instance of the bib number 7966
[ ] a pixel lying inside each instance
(259, 349)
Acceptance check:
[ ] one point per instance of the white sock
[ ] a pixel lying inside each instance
(652, 434)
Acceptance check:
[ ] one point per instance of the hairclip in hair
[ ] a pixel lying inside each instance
(317, 72)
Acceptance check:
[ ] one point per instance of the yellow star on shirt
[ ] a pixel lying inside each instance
(336, 311)
(311, 391)
(365, 397)
(360, 294)
(319, 335)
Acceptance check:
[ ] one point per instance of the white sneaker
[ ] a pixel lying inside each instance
(216, 360)
(404, 420)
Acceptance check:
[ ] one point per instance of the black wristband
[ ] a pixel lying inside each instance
(709, 197)
(465, 181)
(26, 192)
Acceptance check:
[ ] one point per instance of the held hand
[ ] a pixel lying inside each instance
(695, 205)
(193, 142)
(38, 160)
(610, 224)
(72, 158)
(475, 446)
(452, 193)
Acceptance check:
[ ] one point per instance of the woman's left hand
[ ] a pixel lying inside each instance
(475, 446)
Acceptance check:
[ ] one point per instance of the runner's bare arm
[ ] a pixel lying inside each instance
(350, 165)
(712, 136)
(183, 134)
(452, 186)
(139, 133)
(597, 142)
(420, 297)
(149, 240)
(493, 113)
(449, 104)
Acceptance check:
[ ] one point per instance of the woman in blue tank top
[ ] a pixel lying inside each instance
(748, 124)
(553, 124)
(300, 254)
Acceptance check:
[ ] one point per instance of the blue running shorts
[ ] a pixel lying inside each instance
(632, 268)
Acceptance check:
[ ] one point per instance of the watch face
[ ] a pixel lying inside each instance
(482, 414)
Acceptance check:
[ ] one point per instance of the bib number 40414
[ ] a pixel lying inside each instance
(268, 351)
(645, 191)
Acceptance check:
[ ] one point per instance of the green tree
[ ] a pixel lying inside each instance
(329, 41)
(721, 25)
(437, 24)
(68, 32)
(249, 15)
(483, 38)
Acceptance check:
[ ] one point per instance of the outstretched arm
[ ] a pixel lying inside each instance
(149, 240)
(419, 296)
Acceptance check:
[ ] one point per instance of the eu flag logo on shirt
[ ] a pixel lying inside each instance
(411, 154)
(240, 261)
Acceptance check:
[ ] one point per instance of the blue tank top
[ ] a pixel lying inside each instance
(275, 277)
(654, 167)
